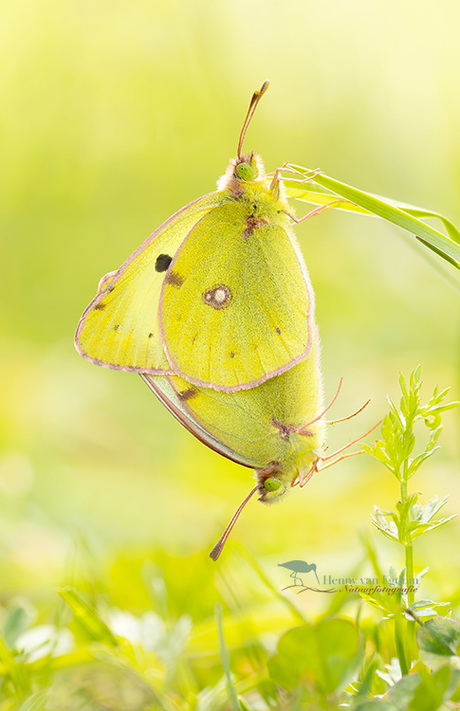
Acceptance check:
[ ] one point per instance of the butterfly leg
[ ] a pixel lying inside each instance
(303, 480)
(320, 468)
(275, 180)
(301, 429)
(349, 417)
(317, 211)
(277, 177)
(305, 177)
(350, 444)
(317, 465)
(275, 184)
(287, 168)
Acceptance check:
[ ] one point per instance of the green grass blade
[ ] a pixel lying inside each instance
(405, 216)
(87, 618)
(37, 702)
(15, 670)
(225, 660)
(318, 195)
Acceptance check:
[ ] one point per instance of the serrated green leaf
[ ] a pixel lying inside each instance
(424, 608)
(449, 406)
(403, 386)
(423, 528)
(387, 532)
(416, 378)
(418, 461)
(432, 507)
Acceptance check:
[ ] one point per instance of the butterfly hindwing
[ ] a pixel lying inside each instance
(119, 329)
(171, 395)
(256, 426)
(236, 306)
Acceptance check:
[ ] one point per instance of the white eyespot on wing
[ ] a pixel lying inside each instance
(218, 296)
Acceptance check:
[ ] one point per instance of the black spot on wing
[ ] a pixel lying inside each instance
(100, 306)
(162, 262)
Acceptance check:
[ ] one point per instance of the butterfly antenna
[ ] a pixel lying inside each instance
(318, 417)
(218, 548)
(256, 97)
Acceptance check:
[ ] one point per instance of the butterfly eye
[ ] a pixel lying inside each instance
(245, 171)
(272, 484)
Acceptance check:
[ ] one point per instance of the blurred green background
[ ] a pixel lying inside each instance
(114, 115)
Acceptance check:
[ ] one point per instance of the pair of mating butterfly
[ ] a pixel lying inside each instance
(215, 311)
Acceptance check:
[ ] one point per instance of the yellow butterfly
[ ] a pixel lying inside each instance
(215, 311)
(276, 428)
(219, 294)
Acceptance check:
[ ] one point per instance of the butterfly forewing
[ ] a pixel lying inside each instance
(236, 306)
(120, 329)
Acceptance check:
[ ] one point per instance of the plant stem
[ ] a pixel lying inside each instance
(410, 573)
(409, 550)
(399, 641)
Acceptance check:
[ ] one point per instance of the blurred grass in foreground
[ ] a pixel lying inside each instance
(140, 634)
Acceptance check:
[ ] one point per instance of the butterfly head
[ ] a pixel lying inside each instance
(272, 489)
(276, 479)
(272, 483)
(246, 169)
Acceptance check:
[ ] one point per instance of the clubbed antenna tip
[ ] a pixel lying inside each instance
(256, 97)
(218, 548)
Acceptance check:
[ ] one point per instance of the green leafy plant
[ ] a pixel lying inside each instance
(397, 451)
